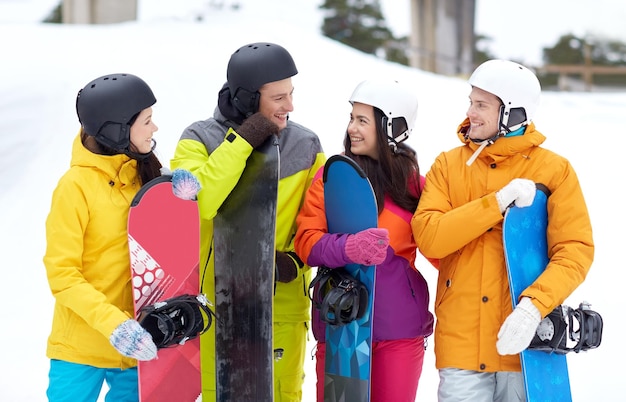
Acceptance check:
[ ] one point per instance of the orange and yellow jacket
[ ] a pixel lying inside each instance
(458, 221)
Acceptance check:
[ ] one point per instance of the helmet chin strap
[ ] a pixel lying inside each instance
(504, 132)
(483, 144)
(391, 141)
(139, 156)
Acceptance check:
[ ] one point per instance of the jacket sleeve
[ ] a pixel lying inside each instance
(65, 235)
(417, 190)
(218, 171)
(313, 242)
(570, 242)
(436, 223)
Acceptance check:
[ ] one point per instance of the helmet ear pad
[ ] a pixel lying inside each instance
(247, 102)
(114, 135)
(514, 117)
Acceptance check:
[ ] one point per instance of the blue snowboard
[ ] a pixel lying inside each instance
(546, 376)
(350, 207)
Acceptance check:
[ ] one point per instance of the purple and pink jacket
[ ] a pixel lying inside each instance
(401, 298)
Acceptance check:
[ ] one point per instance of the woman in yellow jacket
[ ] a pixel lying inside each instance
(253, 104)
(459, 220)
(94, 337)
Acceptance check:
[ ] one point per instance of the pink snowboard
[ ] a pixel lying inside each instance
(164, 242)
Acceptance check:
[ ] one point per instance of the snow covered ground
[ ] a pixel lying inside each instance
(43, 66)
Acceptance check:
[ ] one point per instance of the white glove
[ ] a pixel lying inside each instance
(520, 191)
(519, 328)
(132, 340)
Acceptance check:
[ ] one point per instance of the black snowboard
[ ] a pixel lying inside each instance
(244, 246)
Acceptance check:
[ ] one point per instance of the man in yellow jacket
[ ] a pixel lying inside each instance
(253, 104)
(478, 337)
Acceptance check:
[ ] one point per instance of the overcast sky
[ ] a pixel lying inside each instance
(521, 29)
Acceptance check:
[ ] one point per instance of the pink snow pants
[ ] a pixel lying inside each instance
(396, 369)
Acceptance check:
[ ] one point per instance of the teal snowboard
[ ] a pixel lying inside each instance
(244, 247)
(350, 207)
(546, 375)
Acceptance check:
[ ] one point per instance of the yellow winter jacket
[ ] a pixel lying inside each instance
(87, 257)
(458, 221)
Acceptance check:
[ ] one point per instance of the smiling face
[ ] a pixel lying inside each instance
(141, 132)
(362, 131)
(277, 101)
(483, 113)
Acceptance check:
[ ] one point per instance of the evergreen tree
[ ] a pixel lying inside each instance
(359, 24)
(569, 49)
(482, 52)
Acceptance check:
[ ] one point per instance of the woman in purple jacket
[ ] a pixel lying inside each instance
(383, 115)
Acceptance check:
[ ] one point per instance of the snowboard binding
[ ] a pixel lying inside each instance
(176, 320)
(339, 296)
(567, 330)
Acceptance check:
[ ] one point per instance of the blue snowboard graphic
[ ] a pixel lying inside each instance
(546, 376)
(350, 207)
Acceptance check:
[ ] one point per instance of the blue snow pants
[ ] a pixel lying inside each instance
(71, 382)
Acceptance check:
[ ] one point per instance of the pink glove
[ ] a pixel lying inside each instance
(368, 247)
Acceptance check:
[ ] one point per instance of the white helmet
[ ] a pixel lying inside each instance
(517, 87)
(394, 100)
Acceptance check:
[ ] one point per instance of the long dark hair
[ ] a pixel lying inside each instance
(396, 174)
(148, 166)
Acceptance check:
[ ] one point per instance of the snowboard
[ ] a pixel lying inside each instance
(546, 375)
(164, 244)
(244, 247)
(350, 206)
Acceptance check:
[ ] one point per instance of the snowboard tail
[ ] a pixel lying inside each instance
(546, 376)
(163, 237)
(350, 206)
(244, 247)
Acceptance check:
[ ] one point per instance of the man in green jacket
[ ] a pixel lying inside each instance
(253, 104)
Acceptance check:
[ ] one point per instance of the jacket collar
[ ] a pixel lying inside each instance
(115, 167)
(503, 147)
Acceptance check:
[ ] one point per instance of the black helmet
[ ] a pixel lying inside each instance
(251, 67)
(107, 105)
